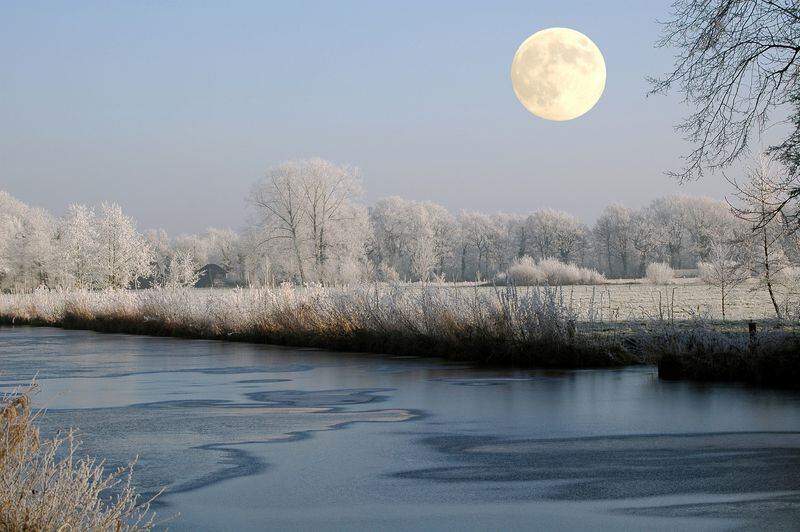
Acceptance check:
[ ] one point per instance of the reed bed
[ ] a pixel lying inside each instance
(531, 326)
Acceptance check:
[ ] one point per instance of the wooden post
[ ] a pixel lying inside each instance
(751, 329)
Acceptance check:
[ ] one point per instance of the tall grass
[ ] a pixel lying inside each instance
(531, 326)
(44, 486)
(527, 326)
(659, 273)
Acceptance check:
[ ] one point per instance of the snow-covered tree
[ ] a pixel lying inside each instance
(555, 234)
(757, 198)
(183, 270)
(306, 210)
(614, 235)
(123, 254)
(724, 268)
(77, 247)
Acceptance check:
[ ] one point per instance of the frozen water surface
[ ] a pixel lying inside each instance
(251, 437)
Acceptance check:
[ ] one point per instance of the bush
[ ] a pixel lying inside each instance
(659, 273)
(43, 486)
(527, 272)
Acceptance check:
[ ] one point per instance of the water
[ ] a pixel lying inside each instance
(248, 437)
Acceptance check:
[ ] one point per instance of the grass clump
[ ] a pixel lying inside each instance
(659, 273)
(44, 486)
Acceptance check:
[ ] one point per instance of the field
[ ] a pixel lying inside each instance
(688, 298)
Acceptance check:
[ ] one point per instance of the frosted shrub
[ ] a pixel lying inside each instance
(559, 273)
(659, 273)
(45, 486)
(525, 272)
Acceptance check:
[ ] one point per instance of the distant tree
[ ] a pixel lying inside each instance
(278, 200)
(410, 238)
(613, 232)
(303, 207)
(77, 246)
(705, 218)
(555, 234)
(643, 238)
(123, 254)
(27, 257)
(736, 62)
(183, 270)
(328, 191)
(479, 235)
(670, 222)
(724, 268)
(162, 251)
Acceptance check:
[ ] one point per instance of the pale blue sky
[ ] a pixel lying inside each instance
(173, 109)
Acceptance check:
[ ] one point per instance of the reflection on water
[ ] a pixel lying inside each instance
(243, 437)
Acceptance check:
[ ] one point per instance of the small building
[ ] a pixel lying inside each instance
(211, 275)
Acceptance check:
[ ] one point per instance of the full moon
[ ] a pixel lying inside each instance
(558, 74)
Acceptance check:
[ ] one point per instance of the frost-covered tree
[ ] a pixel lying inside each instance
(26, 245)
(756, 197)
(643, 238)
(162, 251)
(413, 239)
(555, 234)
(183, 270)
(77, 247)
(614, 235)
(724, 268)
(670, 221)
(306, 210)
(280, 218)
(480, 242)
(123, 254)
(737, 62)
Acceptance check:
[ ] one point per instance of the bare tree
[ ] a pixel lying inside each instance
(613, 233)
(555, 234)
(299, 203)
(278, 200)
(328, 191)
(737, 61)
(757, 196)
(724, 268)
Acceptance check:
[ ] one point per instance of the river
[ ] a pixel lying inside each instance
(254, 437)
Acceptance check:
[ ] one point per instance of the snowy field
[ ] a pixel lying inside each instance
(688, 298)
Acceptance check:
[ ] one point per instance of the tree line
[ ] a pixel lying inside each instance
(306, 224)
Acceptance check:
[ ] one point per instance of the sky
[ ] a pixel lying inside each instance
(174, 109)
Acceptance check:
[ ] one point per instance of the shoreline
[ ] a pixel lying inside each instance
(765, 365)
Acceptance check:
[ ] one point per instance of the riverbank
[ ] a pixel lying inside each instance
(520, 327)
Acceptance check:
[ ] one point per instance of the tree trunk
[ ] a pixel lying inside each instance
(767, 276)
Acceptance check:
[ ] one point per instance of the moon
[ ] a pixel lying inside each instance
(558, 74)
